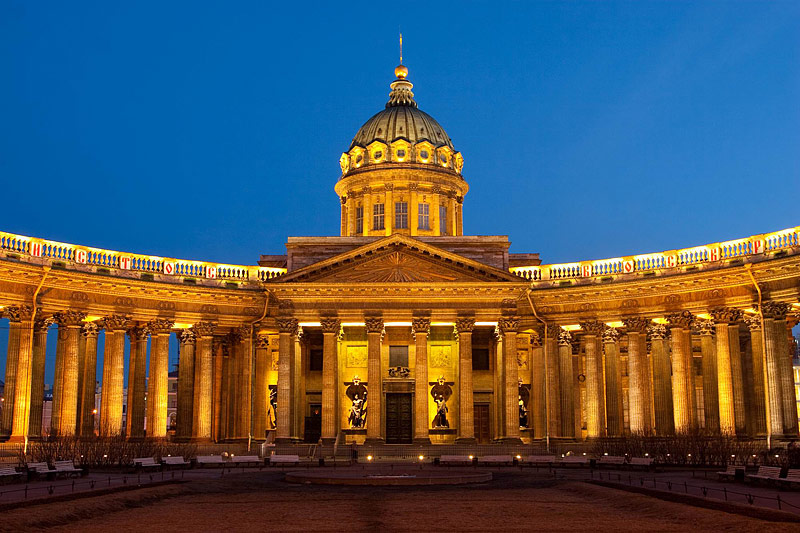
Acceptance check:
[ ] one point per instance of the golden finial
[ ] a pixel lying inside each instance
(401, 71)
(401, 48)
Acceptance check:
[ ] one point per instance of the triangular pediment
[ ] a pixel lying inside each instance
(398, 259)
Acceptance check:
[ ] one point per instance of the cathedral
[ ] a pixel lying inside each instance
(402, 329)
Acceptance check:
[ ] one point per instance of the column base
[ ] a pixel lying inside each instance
(16, 439)
(466, 440)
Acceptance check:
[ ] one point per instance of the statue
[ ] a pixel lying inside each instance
(441, 392)
(524, 399)
(273, 401)
(357, 393)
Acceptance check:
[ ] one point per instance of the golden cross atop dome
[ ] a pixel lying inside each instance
(401, 71)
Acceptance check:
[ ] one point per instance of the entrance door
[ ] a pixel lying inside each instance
(398, 418)
(313, 427)
(482, 428)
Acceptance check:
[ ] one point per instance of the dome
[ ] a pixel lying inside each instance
(401, 133)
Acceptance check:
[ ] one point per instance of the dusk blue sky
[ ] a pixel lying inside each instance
(213, 130)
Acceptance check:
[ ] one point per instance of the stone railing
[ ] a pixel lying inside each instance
(30, 247)
(719, 253)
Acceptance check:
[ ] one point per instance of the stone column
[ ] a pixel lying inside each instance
(40, 326)
(186, 370)
(708, 348)
(614, 408)
(758, 409)
(88, 381)
(66, 386)
(508, 328)
(466, 407)
(567, 384)
(639, 401)
(779, 366)
(682, 384)
(374, 377)
(113, 375)
(537, 411)
(421, 327)
(261, 393)
(157, 383)
(246, 381)
(595, 399)
(553, 382)
(137, 382)
(22, 393)
(662, 381)
(330, 390)
(203, 381)
(287, 328)
(729, 372)
(217, 359)
(15, 315)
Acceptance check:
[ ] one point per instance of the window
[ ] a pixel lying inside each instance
(401, 215)
(377, 216)
(377, 156)
(424, 155)
(443, 219)
(480, 359)
(315, 360)
(359, 220)
(401, 153)
(398, 356)
(423, 222)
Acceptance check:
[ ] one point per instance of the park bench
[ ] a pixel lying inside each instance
(275, 460)
(209, 460)
(766, 473)
(146, 463)
(242, 460)
(611, 460)
(539, 460)
(730, 472)
(40, 470)
(9, 472)
(174, 461)
(641, 462)
(579, 460)
(792, 478)
(67, 469)
(497, 460)
(455, 460)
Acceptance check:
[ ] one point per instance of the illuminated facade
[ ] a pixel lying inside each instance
(402, 329)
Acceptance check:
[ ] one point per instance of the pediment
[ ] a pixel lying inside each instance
(398, 259)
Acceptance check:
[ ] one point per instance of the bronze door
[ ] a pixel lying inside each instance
(482, 427)
(313, 426)
(398, 418)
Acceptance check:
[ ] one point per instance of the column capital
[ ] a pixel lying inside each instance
(41, 323)
(593, 328)
(753, 322)
(287, 325)
(138, 333)
(535, 340)
(682, 320)
(704, 327)
(262, 341)
(610, 335)
(90, 329)
(160, 326)
(374, 324)
(330, 324)
(204, 329)
(70, 318)
(657, 332)
(508, 324)
(636, 324)
(421, 325)
(116, 323)
(465, 324)
(725, 315)
(564, 338)
(776, 310)
(186, 336)
(18, 313)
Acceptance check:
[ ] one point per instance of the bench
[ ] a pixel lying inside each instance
(613, 460)
(9, 472)
(729, 473)
(40, 469)
(209, 460)
(275, 460)
(792, 478)
(766, 473)
(174, 461)
(67, 469)
(643, 462)
(455, 460)
(496, 460)
(540, 460)
(579, 460)
(146, 463)
(246, 460)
